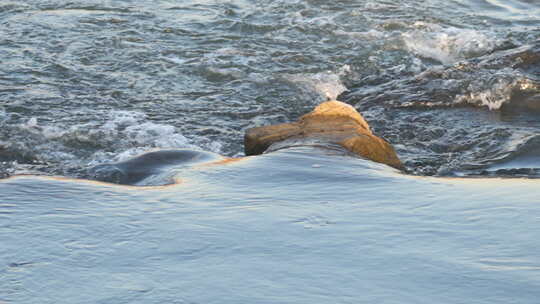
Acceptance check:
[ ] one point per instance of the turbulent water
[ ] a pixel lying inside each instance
(89, 82)
(85, 86)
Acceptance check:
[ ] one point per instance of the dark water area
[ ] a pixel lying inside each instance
(85, 86)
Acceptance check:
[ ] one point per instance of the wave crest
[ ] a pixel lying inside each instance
(448, 45)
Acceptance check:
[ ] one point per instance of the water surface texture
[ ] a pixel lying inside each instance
(85, 85)
(293, 226)
(90, 82)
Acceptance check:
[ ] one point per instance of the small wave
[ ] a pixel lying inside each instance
(325, 85)
(447, 45)
(445, 130)
(121, 135)
(377, 6)
(498, 90)
(502, 80)
(518, 157)
(515, 10)
(367, 35)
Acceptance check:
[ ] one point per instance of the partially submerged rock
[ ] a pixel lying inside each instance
(332, 122)
(152, 168)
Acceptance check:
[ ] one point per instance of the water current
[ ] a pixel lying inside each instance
(90, 82)
(454, 85)
(293, 226)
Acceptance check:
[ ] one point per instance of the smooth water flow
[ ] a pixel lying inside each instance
(296, 226)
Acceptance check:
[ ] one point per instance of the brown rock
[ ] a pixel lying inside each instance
(373, 148)
(332, 122)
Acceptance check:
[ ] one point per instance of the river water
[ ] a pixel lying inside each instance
(453, 85)
(90, 82)
(295, 226)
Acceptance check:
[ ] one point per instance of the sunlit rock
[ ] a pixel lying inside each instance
(332, 122)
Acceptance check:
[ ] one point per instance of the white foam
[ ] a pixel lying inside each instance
(53, 132)
(377, 6)
(447, 45)
(155, 135)
(32, 122)
(367, 35)
(123, 118)
(327, 85)
(121, 135)
(136, 135)
(493, 97)
(127, 154)
(234, 73)
(133, 128)
(230, 51)
(496, 91)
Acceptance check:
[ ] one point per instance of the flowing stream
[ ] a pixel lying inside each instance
(454, 85)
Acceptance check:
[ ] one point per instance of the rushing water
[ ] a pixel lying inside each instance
(453, 85)
(89, 82)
